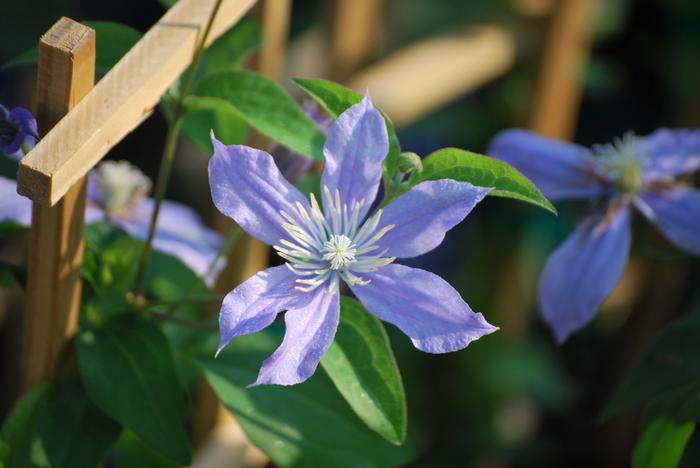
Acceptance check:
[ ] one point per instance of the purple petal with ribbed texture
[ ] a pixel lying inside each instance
(676, 212)
(357, 144)
(425, 213)
(560, 170)
(247, 186)
(424, 306)
(13, 206)
(254, 304)
(670, 153)
(310, 331)
(584, 270)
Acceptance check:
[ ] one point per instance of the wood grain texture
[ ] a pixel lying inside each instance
(122, 99)
(559, 87)
(424, 76)
(66, 74)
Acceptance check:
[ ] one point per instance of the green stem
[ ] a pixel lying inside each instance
(169, 151)
(228, 244)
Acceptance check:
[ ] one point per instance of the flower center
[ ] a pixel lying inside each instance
(340, 251)
(119, 187)
(623, 161)
(326, 246)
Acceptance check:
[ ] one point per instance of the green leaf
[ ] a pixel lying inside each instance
(662, 444)
(56, 425)
(307, 425)
(128, 371)
(230, 50)
(131, 453)
(668, 371)
(482, 171)
(112, 41)
(205, 115)
(336, 99)
(362, 366)
(266, 107)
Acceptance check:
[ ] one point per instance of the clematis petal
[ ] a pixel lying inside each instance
(670, 153)
(584, 270)
(180, 232)
(13, 206)
(254, 304)
(676, 212)
(247, 186)
(357, 144)
(424, 306)
(560, 170)
(310, 331)
(425, 213)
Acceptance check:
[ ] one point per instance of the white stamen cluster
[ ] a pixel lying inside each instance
(326, 249)
(120, 186)
(622, 160)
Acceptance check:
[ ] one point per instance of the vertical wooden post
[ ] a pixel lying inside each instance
(66, 74)
(249, 255)
(554, 113)
(355, 35)
(559, 87)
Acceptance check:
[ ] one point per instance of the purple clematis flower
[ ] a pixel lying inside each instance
(342, 241)
(634, 171)
(117, 193)
(17, 128)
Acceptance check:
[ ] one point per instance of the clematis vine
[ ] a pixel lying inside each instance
(340, 241)
(117, 193)
(18, 131)
(632, 172)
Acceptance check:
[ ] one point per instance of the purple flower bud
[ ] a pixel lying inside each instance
(17, 128)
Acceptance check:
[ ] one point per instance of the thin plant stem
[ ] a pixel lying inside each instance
(179, 113)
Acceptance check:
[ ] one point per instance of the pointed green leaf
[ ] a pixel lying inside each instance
(307, 424)
(668, 371)
(128, 371)
(482, 171)
(361, 364)
(56, 425)
(662, 444)
(336, 99)
(266, 107)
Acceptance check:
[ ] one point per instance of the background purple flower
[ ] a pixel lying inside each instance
(340, 242)
(632, 172)
(17, 127)
(117, 193)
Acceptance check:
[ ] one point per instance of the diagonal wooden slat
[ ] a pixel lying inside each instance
(122, 99)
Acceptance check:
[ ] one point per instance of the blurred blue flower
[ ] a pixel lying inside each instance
(17, 128)
(117, 193)
(631, 172)
(341, 241)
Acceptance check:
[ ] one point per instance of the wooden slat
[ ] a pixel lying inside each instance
(66, 74)
(559, 86)
(431, 73)
(355, 35)
(122, 99)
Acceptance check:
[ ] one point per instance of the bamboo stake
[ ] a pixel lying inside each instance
(559, 86)
(66, 73)
(355, 35)
(248, 256)
(122, 99)
(554, 113)
(431, 73)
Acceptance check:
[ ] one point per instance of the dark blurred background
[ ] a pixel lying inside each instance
(512, 399)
